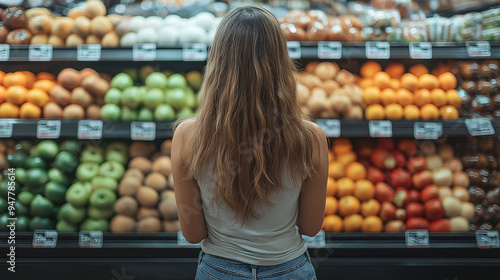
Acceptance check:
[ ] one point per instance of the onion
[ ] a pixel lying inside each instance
(434, 162)
(428, 147)
(452, 206)
(461, 179)
(445, 151)
(467, 210)
(459, 224)
(442, 177)
(455, 164)
(461, 193)
(444, 192)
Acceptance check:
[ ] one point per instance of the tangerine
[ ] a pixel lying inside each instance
(331, 205)
(411, 113)
(14, 79)
(374, 112)
(349, 205)
(16, 94)
(331, 186)
(394, 112)
(353, 223)
(345, 187)
(45, 85)
(9, 111)
(447, 81)
(38, 97)
(45, 76)
(419, 70)
(370, 207)
(395, 70)
(428, 81)
(364, 189)
(347, 158)
(429, 112)
(382, 80)
(449, 113)
(404, 97)
(422, 97)
(388, 96)
(342, 146)
(395, 84)
(331, 156)
(30, 78)
(3, 94)
(355, 171)
(438, 97)
(372, 224)
(336, 170)
(409, 82)
(371, 95)
(30, 111)
(364, 82)
(454, 98)
(333, 223)
(369, 69)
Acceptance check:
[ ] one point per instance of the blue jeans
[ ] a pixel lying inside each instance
(212, 267)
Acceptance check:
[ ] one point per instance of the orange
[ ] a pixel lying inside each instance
(364, 83)
(419, 70)
(369, 69)
(429, 112)
(333, 223)
(13, 79)
(30, 78)
(395, 70)
(395, 84)
(30, 111)
(447, 81)
(449, 113)
(345, 187)
(16, 94)
(45, 85)
(342, 146)
(331, 186)
(411, 113)
(374, 112)
(370, 207)
(336, 170)
(409, 82)
(371, 95)
(388, 96)
(37, 97)
(372, 224)
(428, 81)
(2, 74)
(331, 205)
(382, 80)
(404, 97)
(364, 189)
(331, 156)
(3, 94)
(353, 223)
(422, 97)
(9, 111)
(349, 205)
(438, 97)
(45, 76)
(394, 112)
(454, 98)
(355, 171)
(347, 158)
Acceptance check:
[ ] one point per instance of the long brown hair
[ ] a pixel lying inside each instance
(249, 123)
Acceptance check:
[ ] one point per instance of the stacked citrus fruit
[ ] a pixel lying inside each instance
(394, 94)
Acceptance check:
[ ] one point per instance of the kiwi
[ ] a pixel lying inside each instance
(122, 224)
(147, 196)
(129, 186)
(156, 180)
(163, 165)
(126, 205)
(142, 164)
(149, 225)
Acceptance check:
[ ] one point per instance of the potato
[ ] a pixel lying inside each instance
(96, 85)
(74, 40)
(82, 26)
(62, 27)
(100, 25)
(110, 40)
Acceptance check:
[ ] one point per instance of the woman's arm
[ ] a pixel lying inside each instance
(313, 195)
(187, 192)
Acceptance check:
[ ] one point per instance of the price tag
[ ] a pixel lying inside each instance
(421, 50)
(331, 128)
(330, 50)
(378, 50)
(194, 52)
(6, 128)
(142, 52)
(182, 242)
(90, 129)
(380, 128)
(40, 53)
(48, 129)
(428, 130)
(317, 241)
(44, 238)
(417, 238)
(479, 127)
(90, 52)
(143, 131)
(294, 50)
(478, 49)
(487, 239)
(90, 239)
(4, 52)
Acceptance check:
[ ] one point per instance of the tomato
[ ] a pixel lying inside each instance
(429, 192)
(414, 209)
(440, 225)
(383, 159)
(400, 177)
(383, 192)
(434, 209)
(417, 223)
(400, 158)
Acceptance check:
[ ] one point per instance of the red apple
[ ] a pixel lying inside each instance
(440, 225)
(417, 223)
(422, 179)
(416, 164)
(429, 192)
(383, 192)
(375, 175)
(401, 198)
(409, 147)
(387, 211)
(383, 159)
(414, 209)
(401, 214)
(400, 158)
(395, 226)
(386, 143)
(413, 195)
(400, 177)
(434, 209)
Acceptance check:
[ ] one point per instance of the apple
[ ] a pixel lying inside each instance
(185, 113)
(132, 97)
(56, 175)
(401, 198)
(415, 209)
(400, 177)
(100, 182)
(400, 158)
(383, 159)
(177, 97)
(71, 214)
(122, 81)
(429, 192)
(117, 151)
(417, 164)
(383, 192)
(78, 194)
(375, 175)
(422, 179)
(395, 226)
(112, 169)
(153, 98)
(145, 115)
(387, 211)
(63, 226)
(86, 171)
(164, 112)
(113, 96)
(409, 147)
(128, 114)
(156, 80)
(92, 154)
(110, 112)
(177, 81)
(191, 100)
(102, 198)
(434, 209)
(413, 195)
(97, 213)
(401, 214)
(47, 149)
(93, 224)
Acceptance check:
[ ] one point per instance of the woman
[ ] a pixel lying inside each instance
(248, 168)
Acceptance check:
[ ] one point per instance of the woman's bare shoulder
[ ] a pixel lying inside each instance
(314, 128)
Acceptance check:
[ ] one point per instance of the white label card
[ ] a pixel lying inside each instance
(48, 129)
(4, 52)
(330, 50)
(294, 50)
(479, 127)
(487, 239)
(478, 49)
(182, 242)
(194, 52)
(90, 239)
(331, 128)
(428, 130)
(90, 129)
(6, 128)
(90, 52)
(40, 52)
(421, 50)
(417, 238)
(378, 50)
(44, 238)
(317, 241)
(142, 52)
(143, 131)
(380, 128)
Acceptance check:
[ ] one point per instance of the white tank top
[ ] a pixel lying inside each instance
(271, 239)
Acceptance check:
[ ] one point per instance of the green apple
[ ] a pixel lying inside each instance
(41, 223)
(145, 115)
(128, 114)
(93, 154)
(156, 80)
(117, 151)
(41, 206)
(153, 98)
(56, 175)
(110, 112)
(177, 97)
(36, 177)
(66, 162)
(132, 97)
(34, 162)
(71, 214)
(164, 112)
(177, 81)
(21, 175)
(102, 198)
(112, 169)
(48, 149)
(63, 226)
(25, 197)
(71, 146)
(113, 96)
(92, 224)
(100, 182)
(78, 194)
(55, 192)
(194, 79)
(185, 113)
(98, 213)
(122, 81)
